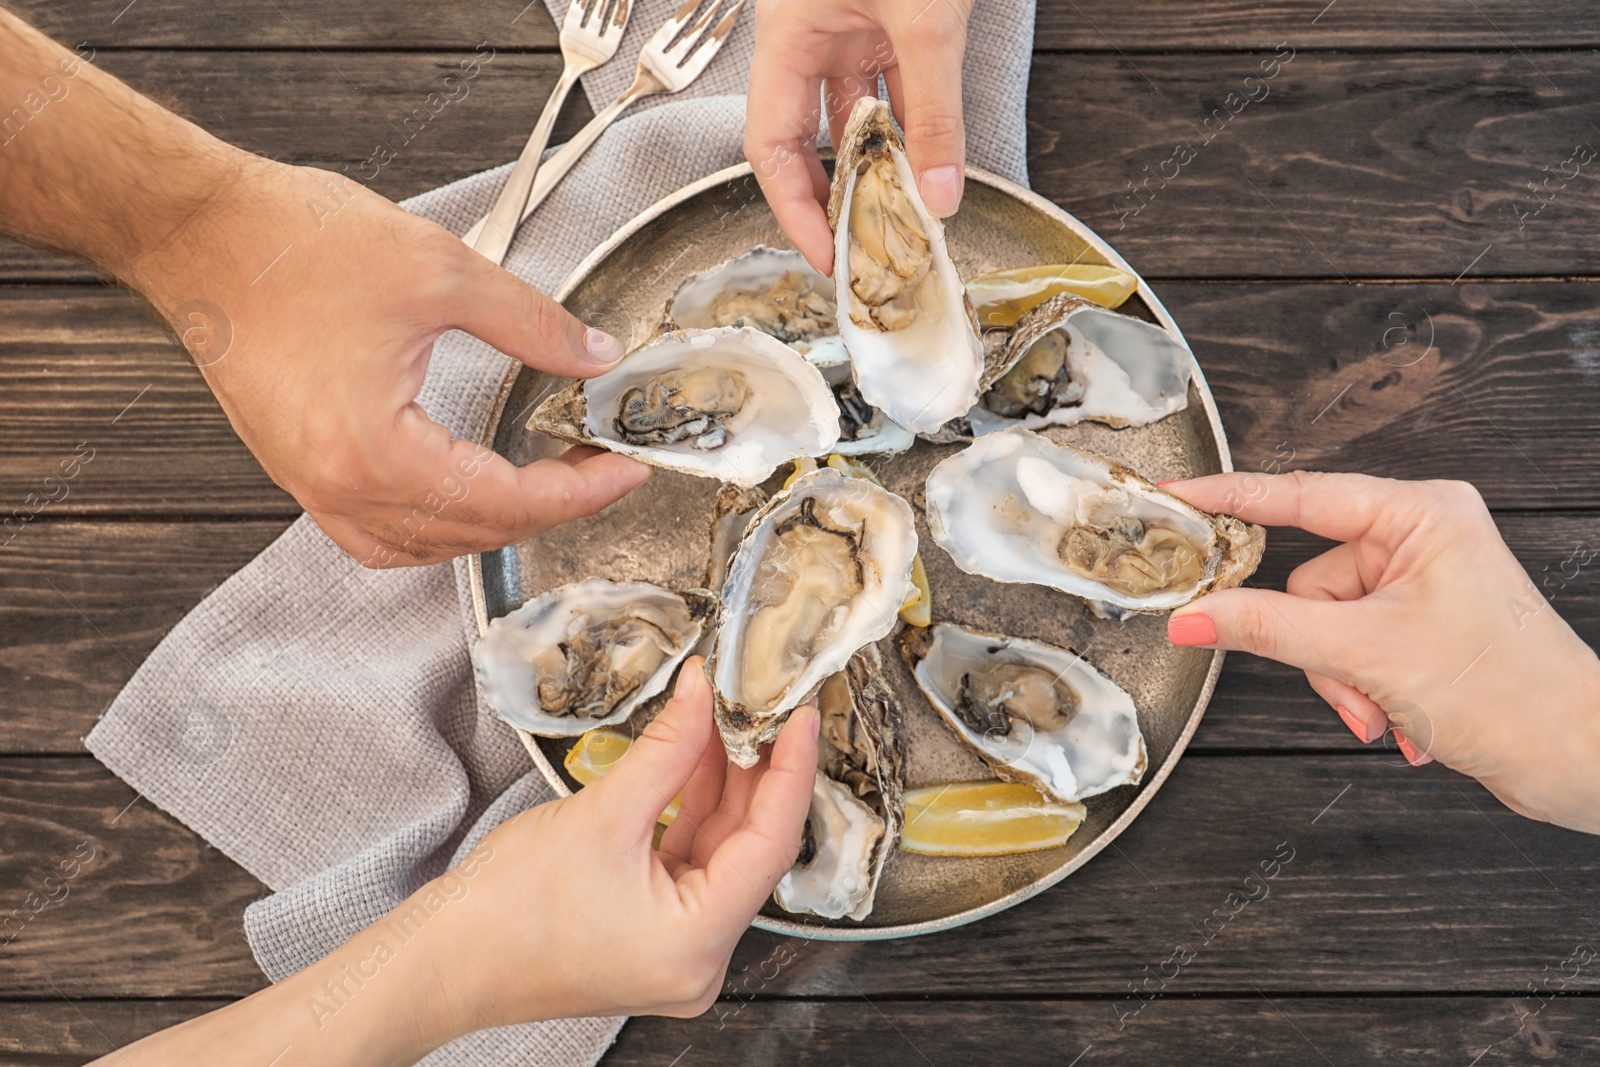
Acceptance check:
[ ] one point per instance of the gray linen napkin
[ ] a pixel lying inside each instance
(318, 722)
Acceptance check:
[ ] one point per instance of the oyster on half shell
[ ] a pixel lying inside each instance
(1034, 712)
(777, 292)
(821, 571)
(731, 403)
(587, 654)
(903, 310)
(856, 805)
(1070, 360)
(1016, 507)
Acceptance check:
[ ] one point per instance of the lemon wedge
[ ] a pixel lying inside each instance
(1002, 297)
(985, 819)
(596, 753)
(917, 608)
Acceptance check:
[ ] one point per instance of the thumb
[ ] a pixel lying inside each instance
(496, 306)
(926, 89)
(661, 761)
(1314, 635)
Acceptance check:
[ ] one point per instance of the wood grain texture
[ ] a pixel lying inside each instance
(153, 911)
(1353, 165)
(1295, 1032)
(87, 601)
(1332, 377)
(1401, 880)
(1086, 25)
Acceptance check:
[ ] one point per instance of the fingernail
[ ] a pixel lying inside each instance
(1191, 631)
(600, 348)
(816, 723)
(941, 189)
(1357, 727)
(1169, 481)
(1414, 755)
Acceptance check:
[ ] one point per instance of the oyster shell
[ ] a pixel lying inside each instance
(856, 805)
(768, 289)
(1016, 507)
(777, 292)
(587, 654)
(821, 571)
(1034, 712)
(905, 316)
(1070, 360)
(730, 403)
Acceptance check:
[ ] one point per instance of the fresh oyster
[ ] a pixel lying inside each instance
(856, 805)
(768, 289)
(1016, 507)
(1070, 361)
(1035, 713)
(587, 654)
(779, 293)
(904, 313)
(821, 571)
(731, 403)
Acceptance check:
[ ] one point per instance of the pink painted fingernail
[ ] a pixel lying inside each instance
(1357, 727)
(1414, 755)
(941, 189)
(1169, 481)
(600, 348)
(1191, 631)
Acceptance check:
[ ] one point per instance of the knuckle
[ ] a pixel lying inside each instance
(932, 124)
(1253, 630)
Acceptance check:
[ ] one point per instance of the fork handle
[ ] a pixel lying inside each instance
(493, 236)
(566, 157)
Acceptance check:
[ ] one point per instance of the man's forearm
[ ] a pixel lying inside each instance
(89, 166)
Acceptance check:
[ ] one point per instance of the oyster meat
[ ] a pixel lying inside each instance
(1070, 360)
(821, 571)
(905, 317)
(856, 804)
(1016, 507)
(731, 403)
(1034, 712)
(586, 655)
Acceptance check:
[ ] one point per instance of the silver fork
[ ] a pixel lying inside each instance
(589, 37)
(666, 65)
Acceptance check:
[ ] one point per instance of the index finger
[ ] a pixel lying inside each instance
(1344, 507)
(783, 113)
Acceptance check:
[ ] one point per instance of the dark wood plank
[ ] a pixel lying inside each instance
(1401, 880)
(146, 908)
(1088, 25)
(1443, 1031)
(1307, 377)
(296, 24)
(1363, 165)
(90, 373)
(1391, 165)
(1446, 1032)
(119, 587)
(87, 602)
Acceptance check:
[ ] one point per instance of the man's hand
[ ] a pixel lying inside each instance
(824, 55)
(310, 304)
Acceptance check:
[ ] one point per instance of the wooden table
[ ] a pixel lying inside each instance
(1368, 204)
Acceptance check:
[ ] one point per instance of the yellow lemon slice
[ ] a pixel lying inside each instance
(985, 819)
(1002, 297)
(917, 609)
(596, 753)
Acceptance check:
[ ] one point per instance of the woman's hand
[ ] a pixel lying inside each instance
(816, 55)
(576, 914)
(1421, 621)
(311, 306)
(564, 911)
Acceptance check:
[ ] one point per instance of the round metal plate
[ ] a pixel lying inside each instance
(661, 533)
